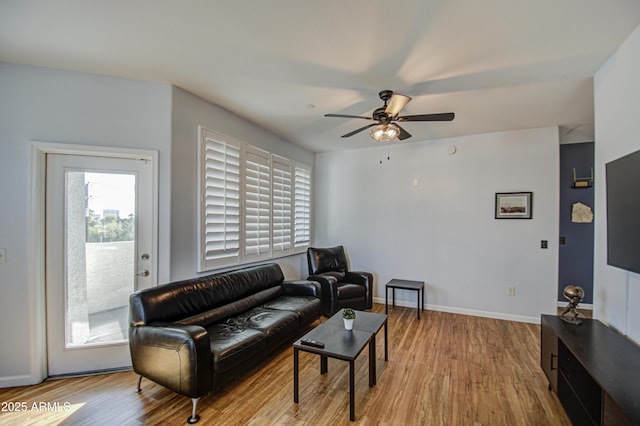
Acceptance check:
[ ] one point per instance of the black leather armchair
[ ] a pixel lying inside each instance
(341, 288)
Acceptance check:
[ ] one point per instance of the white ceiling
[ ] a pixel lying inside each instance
(498, 64)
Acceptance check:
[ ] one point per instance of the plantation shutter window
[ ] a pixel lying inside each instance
(254, 205)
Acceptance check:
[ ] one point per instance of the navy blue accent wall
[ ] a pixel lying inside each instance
(576, 254)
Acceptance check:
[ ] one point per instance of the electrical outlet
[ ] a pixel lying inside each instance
(511, 291)
(3, 255)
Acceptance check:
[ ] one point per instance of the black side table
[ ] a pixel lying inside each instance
(404, 285)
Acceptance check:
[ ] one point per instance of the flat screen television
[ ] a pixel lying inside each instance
(623, 212)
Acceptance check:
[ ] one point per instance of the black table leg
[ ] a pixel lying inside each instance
(418, 303)
(295, 375)
(352, 396)
(372, 361)
(386, 340)
(324, 367)
(386, 300)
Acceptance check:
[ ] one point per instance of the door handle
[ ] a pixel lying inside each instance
(144, 273)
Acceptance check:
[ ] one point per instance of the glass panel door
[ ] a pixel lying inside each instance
(98, 245)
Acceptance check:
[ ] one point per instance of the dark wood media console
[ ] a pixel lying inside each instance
(594, 370)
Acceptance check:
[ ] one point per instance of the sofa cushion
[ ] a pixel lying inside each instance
(277, 325)
(307, 308)
(326, 259)
(231, 345)
(334, 276)
(222, 313)
(350, 291)
(179, 300)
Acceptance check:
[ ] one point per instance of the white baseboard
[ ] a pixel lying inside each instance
(465, 311)
(13, 381)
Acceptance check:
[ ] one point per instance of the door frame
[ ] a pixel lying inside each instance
(36, 234)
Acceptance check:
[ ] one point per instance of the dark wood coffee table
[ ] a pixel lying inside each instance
(338, 344)
(366, 321)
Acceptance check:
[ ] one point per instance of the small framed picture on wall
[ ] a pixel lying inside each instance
(513, 205)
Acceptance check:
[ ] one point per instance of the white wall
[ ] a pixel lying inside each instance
(39, 104)
(189, 111)
(429, 216)
(617, 103)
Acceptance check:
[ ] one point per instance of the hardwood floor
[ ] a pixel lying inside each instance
(444, 369)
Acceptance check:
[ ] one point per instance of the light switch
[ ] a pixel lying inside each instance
(3, 255)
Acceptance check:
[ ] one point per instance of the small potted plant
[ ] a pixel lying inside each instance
(348, 315)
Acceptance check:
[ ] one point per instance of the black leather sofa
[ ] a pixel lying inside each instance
(195, 335)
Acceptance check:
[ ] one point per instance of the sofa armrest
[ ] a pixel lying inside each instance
(173, 355)
(328, 283)
(302, 288)
(365, 279)
(328, 290)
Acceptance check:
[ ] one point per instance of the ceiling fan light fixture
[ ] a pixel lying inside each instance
(398, 102)
(385, 132)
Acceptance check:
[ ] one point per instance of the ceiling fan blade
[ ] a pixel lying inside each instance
(347, 116)
(359, 130)
(403, 134)
(445, 116)
(396, 104)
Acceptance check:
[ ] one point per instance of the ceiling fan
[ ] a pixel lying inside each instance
(385, 129)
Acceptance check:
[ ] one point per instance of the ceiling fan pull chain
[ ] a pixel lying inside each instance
(388, 152)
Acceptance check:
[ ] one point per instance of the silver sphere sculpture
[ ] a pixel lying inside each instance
(574, 294)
